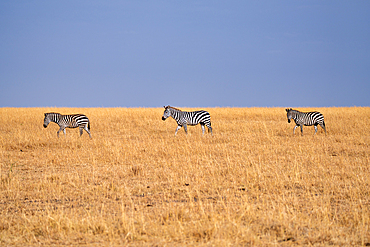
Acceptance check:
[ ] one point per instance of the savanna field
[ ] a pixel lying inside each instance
(135, 184)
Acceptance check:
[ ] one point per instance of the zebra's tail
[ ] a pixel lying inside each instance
(88, 125)
(209, 128)
(323, 124)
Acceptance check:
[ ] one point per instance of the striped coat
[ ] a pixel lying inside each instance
(305, 118)
(68, 121)
(184, 118)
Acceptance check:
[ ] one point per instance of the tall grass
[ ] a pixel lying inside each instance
(134, 183)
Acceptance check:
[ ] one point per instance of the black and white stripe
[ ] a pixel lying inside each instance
(184, 118)
(305, 118)
(68, 121)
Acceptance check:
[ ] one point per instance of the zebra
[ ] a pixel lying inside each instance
(68, 121)
(306, 118)
(184, 118)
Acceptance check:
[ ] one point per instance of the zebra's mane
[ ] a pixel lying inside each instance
(55, 113)
(296, 111)
(172, 108)
(291, 110)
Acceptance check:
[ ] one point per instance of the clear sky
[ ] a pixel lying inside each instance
(184, 53)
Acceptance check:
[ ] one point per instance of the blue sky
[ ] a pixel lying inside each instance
(184, 53)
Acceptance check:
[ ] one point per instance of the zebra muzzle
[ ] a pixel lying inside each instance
(163, 118)
(45, 126)
(288, 120)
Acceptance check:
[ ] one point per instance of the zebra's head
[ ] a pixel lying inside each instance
(166, 113)
(51, 117)
(47, 119)
(289, 114)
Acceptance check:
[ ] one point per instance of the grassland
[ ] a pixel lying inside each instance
(252, 183)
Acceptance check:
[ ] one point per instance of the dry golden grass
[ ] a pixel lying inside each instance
(134, 183)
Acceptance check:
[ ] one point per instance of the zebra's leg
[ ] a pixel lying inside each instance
(81, 130)
(302, 130)
(87, 130)
(61, 129)
(186, 128)
(315, 126)
(202, 125)
(295, 128)
(178, 127)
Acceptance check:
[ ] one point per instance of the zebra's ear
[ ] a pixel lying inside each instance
(45, 114)
(286, 110)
